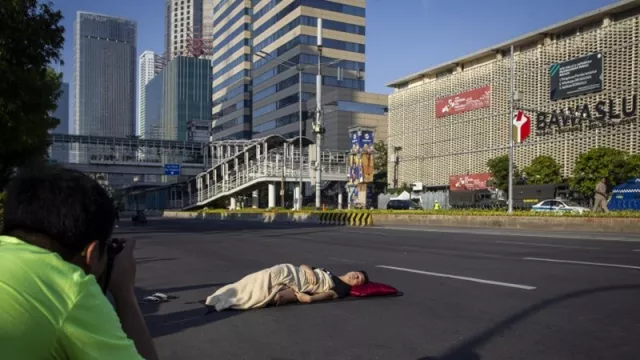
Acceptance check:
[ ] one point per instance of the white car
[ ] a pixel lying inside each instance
(559, 206)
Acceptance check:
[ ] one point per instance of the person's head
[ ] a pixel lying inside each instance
(355, 278)
(62, 210)
(604, 180)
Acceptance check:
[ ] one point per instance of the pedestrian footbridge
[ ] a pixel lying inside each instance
(241, 167)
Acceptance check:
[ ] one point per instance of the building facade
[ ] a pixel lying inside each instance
(148, 66)
(153, 105)
(287, 31)
(452, 118)
(186, 95)
(231, 69)
(348, 108)
(104, 75)
(182, 21)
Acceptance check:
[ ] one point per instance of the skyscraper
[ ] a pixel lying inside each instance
(186, 95)
(149, 66)
(105, 81)
(183, 19)
(231, 69)
(62, 111)
(287, 30)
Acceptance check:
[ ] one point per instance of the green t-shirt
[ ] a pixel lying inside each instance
(51, 309)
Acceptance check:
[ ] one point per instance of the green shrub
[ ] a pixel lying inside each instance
(452, 212)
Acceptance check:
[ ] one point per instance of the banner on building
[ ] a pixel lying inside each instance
(355, 142)
(575, 77)
(367, 167)
(467, 101)
(469, 182)
(366, 141)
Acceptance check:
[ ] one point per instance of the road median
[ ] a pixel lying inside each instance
(605, 223)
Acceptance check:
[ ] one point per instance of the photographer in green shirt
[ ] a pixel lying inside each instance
(57, 228)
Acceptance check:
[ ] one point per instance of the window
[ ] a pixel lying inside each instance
(284, 102)
(361, 107)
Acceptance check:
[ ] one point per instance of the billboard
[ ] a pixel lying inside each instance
(575, 77)
(467, 101)
(469, 182)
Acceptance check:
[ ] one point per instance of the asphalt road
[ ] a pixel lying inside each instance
(469, 294)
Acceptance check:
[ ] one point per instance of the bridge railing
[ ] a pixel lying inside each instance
(269, 166)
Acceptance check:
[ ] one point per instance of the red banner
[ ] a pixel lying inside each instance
(469, 182)
(466, 101)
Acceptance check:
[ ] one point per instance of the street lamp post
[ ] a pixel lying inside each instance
(511, 110)
(319, 126)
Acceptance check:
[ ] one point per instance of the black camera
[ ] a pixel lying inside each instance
(114, 247)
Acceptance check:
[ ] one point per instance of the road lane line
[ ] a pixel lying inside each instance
(345, 260)
(584, 263)
(490, 282)
(637, 250)
(548, 245)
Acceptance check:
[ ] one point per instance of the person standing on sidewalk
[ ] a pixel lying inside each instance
(600, 198)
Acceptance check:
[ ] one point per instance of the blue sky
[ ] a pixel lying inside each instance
(403, 36)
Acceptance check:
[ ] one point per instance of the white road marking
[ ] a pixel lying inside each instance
(518, 232)
(548, 245)
(490, 282)
(637, 250)
(584, 263)
(345, 260)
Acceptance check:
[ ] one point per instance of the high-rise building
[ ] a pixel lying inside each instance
(287, 30)
(153, 107)
(62, 111)
(231, 69)
(183, 20)
(104, 78)
(148, 67)
(186, 95)
(62, 114)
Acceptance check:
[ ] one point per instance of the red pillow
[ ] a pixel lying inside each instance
(372, 289)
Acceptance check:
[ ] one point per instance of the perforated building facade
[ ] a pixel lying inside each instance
(431, 147)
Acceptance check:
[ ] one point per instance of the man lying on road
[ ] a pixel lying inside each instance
(57, 226)
(285, 283)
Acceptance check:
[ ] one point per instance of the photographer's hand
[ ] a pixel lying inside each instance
(123, 274)
(121, 286)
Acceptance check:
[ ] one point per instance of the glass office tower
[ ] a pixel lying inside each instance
(186, 95)
(231, 69)
(287, 30)
(105, 75)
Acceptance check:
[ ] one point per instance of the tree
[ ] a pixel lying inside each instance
(596, 164)
(32, 39)
(499, 168)
(543, 170)
(633, 166)
(380, 177)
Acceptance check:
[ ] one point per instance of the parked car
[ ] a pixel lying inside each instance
(402, 205)
(559, 206)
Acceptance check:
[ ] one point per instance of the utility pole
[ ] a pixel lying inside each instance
(300, 69)
(511, 111)
(319, 128)
(282, 185)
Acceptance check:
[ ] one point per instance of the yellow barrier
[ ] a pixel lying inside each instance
(347, 219)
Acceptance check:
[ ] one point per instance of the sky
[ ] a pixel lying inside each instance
(403, 36)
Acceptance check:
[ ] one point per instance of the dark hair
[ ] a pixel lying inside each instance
(65, 205)
(366, 276)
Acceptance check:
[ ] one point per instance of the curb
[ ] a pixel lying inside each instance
(347, 219)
